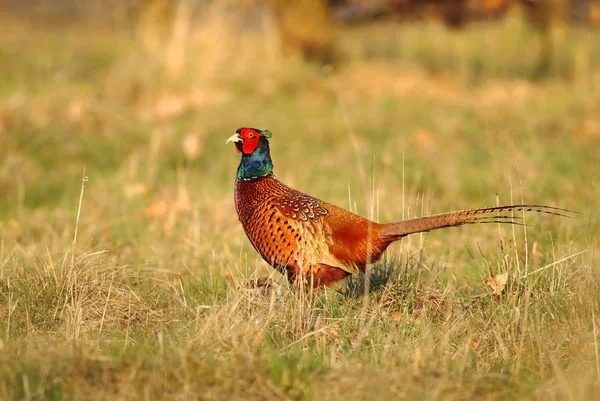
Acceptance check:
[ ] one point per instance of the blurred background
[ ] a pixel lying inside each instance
(426, 104)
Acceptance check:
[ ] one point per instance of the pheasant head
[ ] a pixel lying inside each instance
(253, 144)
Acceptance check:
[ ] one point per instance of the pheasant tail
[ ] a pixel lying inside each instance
(499, 214)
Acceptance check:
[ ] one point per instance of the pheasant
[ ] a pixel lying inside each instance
(315, 241)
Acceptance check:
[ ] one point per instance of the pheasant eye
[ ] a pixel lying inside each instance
(251, 135)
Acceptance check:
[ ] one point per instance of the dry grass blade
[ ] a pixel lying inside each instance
(134, 285)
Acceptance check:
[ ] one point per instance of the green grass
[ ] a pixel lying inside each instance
(149, 301)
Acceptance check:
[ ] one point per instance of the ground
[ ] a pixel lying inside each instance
(131, 283)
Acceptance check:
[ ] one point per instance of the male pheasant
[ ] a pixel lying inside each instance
(304, 237)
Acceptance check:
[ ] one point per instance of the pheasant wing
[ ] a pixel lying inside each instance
(304, 218)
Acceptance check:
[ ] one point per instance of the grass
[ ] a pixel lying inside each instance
(149, 300)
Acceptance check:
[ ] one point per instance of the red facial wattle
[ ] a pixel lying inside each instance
(250, 139)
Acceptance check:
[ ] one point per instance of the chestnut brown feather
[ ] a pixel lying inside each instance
(320, 243)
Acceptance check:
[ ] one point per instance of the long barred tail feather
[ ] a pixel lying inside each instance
(469, 216)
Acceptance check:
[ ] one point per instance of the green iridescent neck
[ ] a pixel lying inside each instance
(256, 165)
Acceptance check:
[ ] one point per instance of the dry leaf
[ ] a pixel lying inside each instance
(135, 189)
(169, 106)
(424, 139)
(158, 208)
(75, 111)
(191, 146)
(396, 316)
(498, 282)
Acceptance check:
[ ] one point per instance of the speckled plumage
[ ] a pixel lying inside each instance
(302, 236)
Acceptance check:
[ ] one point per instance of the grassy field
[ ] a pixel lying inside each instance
(133, 285)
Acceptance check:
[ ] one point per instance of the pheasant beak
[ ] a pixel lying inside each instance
(234, 138)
